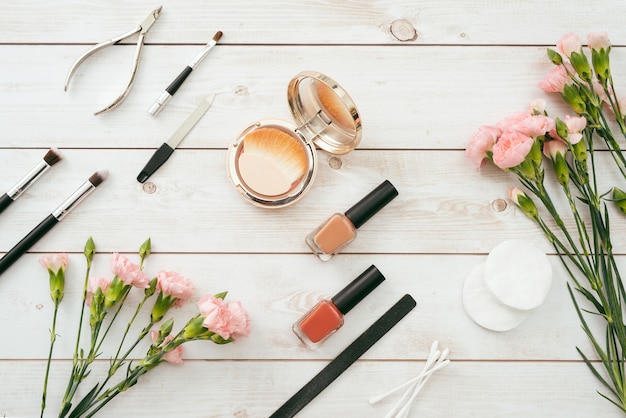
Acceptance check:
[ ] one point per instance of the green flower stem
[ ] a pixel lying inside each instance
(53, 337)
(119, 308)
(115, 364)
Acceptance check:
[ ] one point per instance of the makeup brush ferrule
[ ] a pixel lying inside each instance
(202, 55)
(159, 103)
(74, 200)
(28, 180)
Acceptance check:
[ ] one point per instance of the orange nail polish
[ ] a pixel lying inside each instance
(340, 229)
(327, 316)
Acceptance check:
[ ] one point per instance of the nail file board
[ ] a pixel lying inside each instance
(345, 359)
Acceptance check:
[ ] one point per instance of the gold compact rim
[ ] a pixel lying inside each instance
(324, 112)
(257, 198)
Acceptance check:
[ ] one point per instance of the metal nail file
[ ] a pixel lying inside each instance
(163, 153)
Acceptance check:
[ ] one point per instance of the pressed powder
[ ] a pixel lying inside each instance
(273, 163)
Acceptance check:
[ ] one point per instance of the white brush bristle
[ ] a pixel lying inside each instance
(280, 148)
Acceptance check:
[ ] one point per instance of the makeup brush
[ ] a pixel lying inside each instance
(334, 106)
(54, 218)
(51, 158)
(271, 161)
(165, 97)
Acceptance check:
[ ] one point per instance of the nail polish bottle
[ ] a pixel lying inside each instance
(327, 316)
(340, 229)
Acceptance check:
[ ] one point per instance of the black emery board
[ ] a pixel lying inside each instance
(345, 359)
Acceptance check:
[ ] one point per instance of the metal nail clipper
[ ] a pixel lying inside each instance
(142, 29)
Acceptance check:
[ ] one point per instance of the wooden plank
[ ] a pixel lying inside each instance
(326, 22)
(408, 98)
(255, 389)
(194, 208)
(278, 289)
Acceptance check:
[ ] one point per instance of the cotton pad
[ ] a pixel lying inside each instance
(484, 308)
(518, 274)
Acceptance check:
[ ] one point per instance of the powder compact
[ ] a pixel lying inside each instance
(273, 163)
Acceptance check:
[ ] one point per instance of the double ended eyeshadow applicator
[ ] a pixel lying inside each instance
(340, 229)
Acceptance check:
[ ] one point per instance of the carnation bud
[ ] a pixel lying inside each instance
(90, 250)
(166, 329)
(561, 170)
(619, 197)
(601, 65)
(581, 65)
(555, 57)
(151, 289)
(145, 249)
(194, 328)
(572, 97)
(561, 128)
(161, 306)
(57, 285)
(524, 202)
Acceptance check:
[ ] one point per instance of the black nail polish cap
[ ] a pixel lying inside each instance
(353, 293)
(371, 204)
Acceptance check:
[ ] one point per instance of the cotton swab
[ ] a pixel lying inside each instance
(436, 360)
(432, 356)
(441, 362)
(416, 379)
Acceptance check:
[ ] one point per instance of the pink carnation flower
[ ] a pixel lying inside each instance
(239, 320)
(217, 317)
(511, 149)
(174, 356)
(575, 126)
(569, 43)
(598, 40)
(54, 262)
(527, 124)
(481, 143)
(174, 285)
(95, 283)
(128, 272)
(556, 80)
(554, 147)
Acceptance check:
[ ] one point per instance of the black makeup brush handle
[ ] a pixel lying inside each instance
(5, 201)
(174, 85)
(27, 242)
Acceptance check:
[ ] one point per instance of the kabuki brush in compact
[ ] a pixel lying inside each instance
(273, 163)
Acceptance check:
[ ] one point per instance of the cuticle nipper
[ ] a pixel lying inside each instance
(142, 29)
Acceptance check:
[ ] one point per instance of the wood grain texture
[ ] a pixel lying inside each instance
(420, 99)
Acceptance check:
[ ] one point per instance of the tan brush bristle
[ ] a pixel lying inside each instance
(98, 177)
(285, 151)
(334, 106)
(217, 36)
(52, 156)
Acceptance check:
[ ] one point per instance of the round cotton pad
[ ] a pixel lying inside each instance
(518, 274)
(484, 308)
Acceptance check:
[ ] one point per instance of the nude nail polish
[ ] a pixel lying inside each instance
(325, 318)
(340, 229)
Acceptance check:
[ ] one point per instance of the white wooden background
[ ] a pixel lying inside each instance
(472, 63)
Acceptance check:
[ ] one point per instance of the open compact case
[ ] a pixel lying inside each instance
(273, 163)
